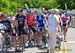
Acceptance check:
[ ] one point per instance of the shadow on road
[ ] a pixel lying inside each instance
(41, 52)
(7, 52)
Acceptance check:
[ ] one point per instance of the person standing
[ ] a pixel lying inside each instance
(65, 24)
(52, 30)
(20, 22)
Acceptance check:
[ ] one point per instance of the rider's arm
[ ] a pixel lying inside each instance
(15, 22)
(25, 23)
(46, 22)
(59, 25)
(67, 23)
(36, 23)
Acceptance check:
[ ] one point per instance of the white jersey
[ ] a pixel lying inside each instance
(11, 19)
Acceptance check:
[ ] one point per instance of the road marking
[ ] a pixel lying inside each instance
(65, 47)
(70, 41)
(62, 45)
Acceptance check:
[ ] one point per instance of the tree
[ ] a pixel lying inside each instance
(8, 6)
(70, 4)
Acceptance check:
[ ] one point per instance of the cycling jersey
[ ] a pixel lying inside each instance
(30, 20)
(11, 19)
(6, 23)
(64, 20)
(2, 27)
(40, 20)
(20, 20)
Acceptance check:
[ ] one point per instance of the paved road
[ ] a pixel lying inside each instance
(34, 50)
(66, 47)
(69, 46)
(71, 40)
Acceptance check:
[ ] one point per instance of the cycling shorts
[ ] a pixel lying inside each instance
(14, 32)
(41, 29)
(32, 28)
(21, 31)
(41, 25)
(64, 27)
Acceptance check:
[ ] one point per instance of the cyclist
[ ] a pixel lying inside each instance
(31, 22)
(6, 22)
(65, 23)
(20, 22)
(11, 18)
(41, 29)
(2, 33)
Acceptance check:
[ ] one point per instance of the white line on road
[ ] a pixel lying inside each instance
(70, 42)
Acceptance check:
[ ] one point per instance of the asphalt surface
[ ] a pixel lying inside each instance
(66, 47)
(71, 40)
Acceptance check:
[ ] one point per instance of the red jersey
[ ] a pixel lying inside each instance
(30, 20)
(64, 19)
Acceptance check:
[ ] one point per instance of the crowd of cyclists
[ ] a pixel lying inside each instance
(34, 28)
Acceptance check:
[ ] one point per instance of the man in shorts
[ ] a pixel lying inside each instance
(31, 22)
(40, 18)
(65, 23)
(20, 22)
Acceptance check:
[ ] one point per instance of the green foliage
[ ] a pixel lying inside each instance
(70, 4)
(8, 6)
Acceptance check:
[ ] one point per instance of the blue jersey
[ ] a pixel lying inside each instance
(40, 20)
(6, 23)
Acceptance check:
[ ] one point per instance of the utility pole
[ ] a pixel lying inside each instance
(26, 5)
(65, 5)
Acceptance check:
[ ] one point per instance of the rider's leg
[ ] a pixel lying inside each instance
(1, 40)
(26, 40)
(14, 41)
(35, 32)
(20, 40)
(40, 38)
(65, 30)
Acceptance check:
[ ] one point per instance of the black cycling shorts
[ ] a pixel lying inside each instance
(21, 31)
(64, 24)
(14, 32)
(32, 28)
